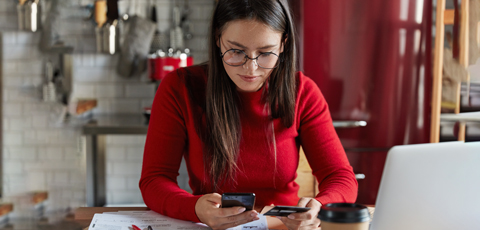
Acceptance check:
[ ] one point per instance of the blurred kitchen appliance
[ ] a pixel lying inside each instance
(29, 15)
(160, 63)
(372, 62)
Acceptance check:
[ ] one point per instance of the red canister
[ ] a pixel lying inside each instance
(160, 64)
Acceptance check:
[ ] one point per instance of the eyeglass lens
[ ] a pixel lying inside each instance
(238, 58)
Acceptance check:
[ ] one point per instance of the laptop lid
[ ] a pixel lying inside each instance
(430, 186)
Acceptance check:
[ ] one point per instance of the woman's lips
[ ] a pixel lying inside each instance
(248, 78)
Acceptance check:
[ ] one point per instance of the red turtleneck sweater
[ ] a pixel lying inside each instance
(172, 134)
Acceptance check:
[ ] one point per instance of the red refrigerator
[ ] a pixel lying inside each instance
(372, 61)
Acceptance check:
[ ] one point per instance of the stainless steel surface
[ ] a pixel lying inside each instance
(111, 37)
(99, 39)
(359, 176)
(32, 16)
(67, 71)
(136, 124)
(348, 124)
(116, 124)
(29, 15)
(108, 37)
(21, 16)
(96, 180)
(95, 132)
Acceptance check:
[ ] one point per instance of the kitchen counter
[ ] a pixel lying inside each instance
(116, 124)
(137, 124)
(99, 126)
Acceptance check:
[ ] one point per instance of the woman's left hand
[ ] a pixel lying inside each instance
(304, 220)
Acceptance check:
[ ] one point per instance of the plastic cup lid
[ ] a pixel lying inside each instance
(344, 213)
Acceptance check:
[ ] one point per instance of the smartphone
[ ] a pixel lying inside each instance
(285, 210)
(246, 200)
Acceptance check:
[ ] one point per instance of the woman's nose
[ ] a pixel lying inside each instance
(251, 64)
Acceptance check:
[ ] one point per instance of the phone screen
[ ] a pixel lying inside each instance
(246, 200)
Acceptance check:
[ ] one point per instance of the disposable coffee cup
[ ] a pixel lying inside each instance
(344, 216)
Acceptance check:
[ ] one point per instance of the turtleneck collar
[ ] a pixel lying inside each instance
(252, 96)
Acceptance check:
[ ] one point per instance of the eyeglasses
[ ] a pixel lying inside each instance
(236, 57)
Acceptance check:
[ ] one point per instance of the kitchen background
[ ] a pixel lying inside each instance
(42, 153)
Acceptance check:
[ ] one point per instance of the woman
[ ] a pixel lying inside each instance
(239, 121)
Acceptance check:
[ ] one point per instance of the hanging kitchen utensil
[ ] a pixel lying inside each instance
(111, 37)
(21, 15)
(33, 13)
(187, 26)
(135, 46)
(49, 91)
(108, 35)
(29, 15)
(176, 33)
(157, 38)
(112, 10)
(100, 12)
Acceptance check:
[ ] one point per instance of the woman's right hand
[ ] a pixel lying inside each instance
(209, 212)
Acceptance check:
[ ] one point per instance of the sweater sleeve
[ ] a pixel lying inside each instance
(322, 147)
(165, 144)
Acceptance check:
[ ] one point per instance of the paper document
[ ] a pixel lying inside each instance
(123, 220)
(260, 224)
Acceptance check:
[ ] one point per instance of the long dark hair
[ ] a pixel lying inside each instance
(223, 119)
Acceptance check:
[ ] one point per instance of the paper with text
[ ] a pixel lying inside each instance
(124, 220)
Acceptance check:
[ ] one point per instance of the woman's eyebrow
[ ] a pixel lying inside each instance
(244, 47)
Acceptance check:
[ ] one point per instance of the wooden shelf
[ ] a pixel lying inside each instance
(447, 17)
(461, 117)
(5, 208)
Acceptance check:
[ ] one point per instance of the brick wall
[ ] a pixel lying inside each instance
(40, 153)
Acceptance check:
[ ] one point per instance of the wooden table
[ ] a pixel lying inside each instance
(84, 215)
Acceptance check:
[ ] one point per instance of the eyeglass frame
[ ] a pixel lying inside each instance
(249, 58)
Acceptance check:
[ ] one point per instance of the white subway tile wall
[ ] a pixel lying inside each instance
(8, 15)
(41, 153)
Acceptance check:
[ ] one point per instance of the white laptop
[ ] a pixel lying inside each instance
(430, 186)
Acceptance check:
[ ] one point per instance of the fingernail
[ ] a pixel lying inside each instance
(279, 217)
(256, 218)
(253, 214)
(291, 217)
(240, 210)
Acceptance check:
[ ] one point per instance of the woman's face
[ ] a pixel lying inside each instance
(253, 38)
